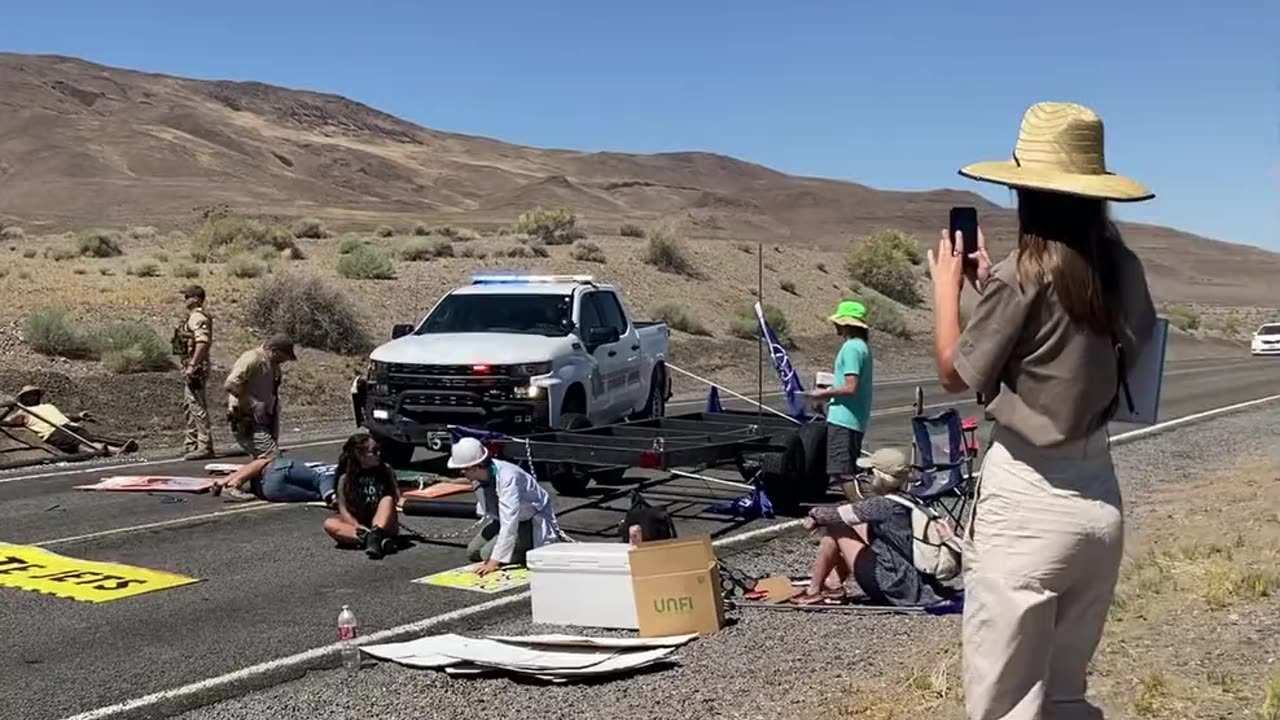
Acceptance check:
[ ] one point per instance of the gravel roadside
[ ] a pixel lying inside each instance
(768, 664)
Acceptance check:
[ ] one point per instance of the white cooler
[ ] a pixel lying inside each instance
(582, 584)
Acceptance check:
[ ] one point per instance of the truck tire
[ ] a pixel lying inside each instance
(395, 453)
(656, 405)
(564, 477)
(781, 476)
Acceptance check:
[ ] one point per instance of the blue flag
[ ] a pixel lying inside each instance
(787, 376)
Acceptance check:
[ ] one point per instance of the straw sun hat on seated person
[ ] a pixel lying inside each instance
(1060, 150)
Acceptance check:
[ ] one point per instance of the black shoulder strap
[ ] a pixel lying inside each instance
(1122, 383)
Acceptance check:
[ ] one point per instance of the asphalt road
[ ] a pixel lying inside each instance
(272, 583)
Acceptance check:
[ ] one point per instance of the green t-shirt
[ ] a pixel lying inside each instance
(852, 411)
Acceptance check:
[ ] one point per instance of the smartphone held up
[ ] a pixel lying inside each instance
(964, 221)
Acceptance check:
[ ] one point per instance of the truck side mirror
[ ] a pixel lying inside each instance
(400, 330)
(598, 336)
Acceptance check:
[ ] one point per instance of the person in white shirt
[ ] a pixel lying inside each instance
(519, 513)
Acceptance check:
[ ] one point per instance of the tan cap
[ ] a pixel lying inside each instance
(889, 461)
(28, 390)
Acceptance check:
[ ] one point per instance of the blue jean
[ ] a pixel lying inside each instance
(291, 481)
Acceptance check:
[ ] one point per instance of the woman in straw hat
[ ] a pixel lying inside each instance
(1053, 333)
(849, 397)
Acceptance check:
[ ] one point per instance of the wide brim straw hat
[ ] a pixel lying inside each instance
(1060, 150)
(850, 314)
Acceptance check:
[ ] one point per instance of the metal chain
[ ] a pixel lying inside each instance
(468, 530)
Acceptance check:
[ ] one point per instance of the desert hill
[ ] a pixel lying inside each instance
(84, 144)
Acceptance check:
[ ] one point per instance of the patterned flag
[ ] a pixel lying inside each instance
(713, 401)
(791, 386)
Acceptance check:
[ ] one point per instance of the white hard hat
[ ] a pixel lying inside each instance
(467, 452)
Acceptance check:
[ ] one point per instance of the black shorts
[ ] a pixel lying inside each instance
(844, 447)
(65, 442)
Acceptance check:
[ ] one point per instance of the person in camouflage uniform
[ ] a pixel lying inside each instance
(191, 343)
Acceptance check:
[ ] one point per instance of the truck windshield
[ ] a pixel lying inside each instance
(1269, 330)
(548, 315)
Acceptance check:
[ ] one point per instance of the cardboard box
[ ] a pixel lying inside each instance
(677, 587)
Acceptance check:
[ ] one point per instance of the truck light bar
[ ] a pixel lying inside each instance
(530, 279)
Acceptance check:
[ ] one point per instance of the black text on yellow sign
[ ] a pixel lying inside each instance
(28, 568)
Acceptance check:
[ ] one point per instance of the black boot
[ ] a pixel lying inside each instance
(373, 541)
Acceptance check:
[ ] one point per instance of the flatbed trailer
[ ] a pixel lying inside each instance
(789, 458)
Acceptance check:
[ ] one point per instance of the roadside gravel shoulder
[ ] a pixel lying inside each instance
(768, 664)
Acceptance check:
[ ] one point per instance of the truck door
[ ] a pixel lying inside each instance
(630, 385)
(600, 343)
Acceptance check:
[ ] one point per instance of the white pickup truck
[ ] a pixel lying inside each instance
(515, 354)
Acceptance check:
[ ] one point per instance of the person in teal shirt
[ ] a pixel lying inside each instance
(849, 397)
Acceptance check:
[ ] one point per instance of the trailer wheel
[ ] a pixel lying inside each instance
(781, 476)
(565, 477)
(812, 439)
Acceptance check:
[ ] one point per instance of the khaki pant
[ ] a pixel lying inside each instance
(1041, 565)
(255, 439)
(195, 407)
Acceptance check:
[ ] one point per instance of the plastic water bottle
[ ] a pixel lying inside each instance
(348, 629)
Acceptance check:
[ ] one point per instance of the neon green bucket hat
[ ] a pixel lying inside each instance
(851, 313)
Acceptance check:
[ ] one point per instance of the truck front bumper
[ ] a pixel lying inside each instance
(423, 418)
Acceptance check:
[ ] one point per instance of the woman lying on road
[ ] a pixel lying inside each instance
(368, 495)
(518, 509)
(276, 478)
(870, 542)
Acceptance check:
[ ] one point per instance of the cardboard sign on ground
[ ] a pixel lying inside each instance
(677, 587)
(30, 568)
(150, 483)
(778, 589)
(438, 490)
(465, 578)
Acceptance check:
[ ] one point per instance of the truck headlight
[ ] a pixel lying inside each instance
(531, 369)
(529, 392)
(377, 371)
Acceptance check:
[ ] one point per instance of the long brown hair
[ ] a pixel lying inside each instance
(349, 468)
(1070, 244)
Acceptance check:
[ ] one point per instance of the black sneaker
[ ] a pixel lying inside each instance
(390, 544)
(373, 543)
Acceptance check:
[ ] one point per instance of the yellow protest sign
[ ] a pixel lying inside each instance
(30, 568)
(465, 578)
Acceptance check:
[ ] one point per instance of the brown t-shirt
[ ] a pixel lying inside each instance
(1049, 380)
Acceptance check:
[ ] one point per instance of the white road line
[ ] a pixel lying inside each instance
(312, 658)
(248, 507)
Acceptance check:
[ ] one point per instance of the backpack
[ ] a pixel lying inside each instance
(655, 522)
(931, 553)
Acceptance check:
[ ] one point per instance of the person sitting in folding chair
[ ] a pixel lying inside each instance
(869, 543)
(54, 428)
(518, 509)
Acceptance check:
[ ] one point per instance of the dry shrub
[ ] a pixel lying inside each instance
(226, 237)
(132, 347)
(245, 267)
(668, 255)
(631, 230)
(312, 312)
(788, 286)
(884, 316)
(883, 262)
(141, 232)
(679, 317)
(366, 263)
(349, 244)
(385, 231)
(421, 229)
(12, 232)
(470, 252)
(144, 269)
(184, 270)
(50, 332)
(309, 228)
(747, 327)
(588, 252)
(99, 244)
(59, 254)
(553, 226)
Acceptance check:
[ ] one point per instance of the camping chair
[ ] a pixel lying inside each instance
(944, 452)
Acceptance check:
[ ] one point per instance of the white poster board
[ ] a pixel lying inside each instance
(1146, 379)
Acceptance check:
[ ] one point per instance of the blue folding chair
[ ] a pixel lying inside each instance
(945, 449)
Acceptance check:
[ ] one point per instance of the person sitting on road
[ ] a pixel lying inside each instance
(277, 478)
(869, 542)
(519, 513)
(48, 423)
(367, 495)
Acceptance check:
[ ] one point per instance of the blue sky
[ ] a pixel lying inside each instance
(894, 95)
